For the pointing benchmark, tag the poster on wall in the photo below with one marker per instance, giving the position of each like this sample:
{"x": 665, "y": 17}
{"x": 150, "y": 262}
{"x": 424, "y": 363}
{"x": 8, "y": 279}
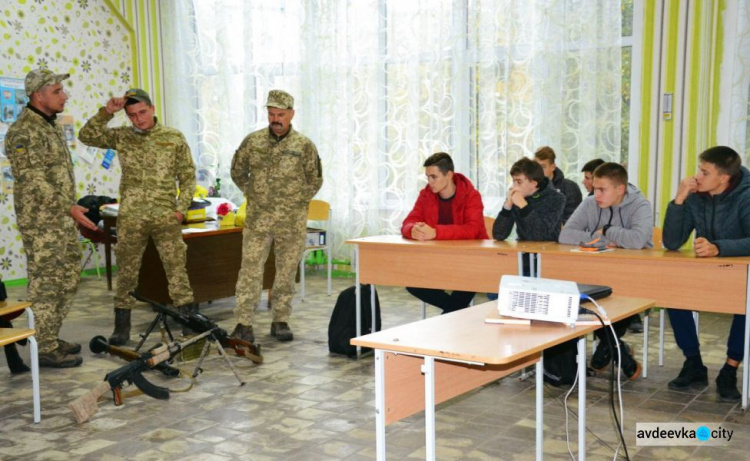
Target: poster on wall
{"x": 12, "y": 99}
{"x": 68, "y": 127}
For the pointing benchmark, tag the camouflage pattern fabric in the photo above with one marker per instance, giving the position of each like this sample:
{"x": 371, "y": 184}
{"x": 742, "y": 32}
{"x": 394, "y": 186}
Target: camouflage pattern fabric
{"x": 278, "y": 177}
{"x": 132, "y": 237}
{"x": 151, "y": 162}
{"x": 43, "y": 194}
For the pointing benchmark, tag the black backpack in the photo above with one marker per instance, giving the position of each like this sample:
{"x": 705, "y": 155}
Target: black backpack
{"x": 343, "y": 324}
{"x": 561, "y": 364}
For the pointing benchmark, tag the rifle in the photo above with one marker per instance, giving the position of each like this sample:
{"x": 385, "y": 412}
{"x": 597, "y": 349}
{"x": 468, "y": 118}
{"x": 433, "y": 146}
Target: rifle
{"x": 99, "y": 344}
{"x": 199, "y": 323}
{"x": 86, "y": 406}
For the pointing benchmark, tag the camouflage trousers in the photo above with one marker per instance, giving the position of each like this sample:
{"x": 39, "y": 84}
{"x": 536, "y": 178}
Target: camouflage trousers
{"x": 289, "y": 244}
{"x": 133, "y": 233}
{"x": 54, "y": 270}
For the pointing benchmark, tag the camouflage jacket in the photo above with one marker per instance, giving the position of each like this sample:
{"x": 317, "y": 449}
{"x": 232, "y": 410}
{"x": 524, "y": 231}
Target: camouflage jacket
{"x": 44, "y": 188}
{"x": 151, "y": 161}
{"x": 277, "y": 176}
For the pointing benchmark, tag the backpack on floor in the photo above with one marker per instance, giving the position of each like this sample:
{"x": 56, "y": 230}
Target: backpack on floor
{"x": 560, "y": 363}
{"x": 343, "y": 324}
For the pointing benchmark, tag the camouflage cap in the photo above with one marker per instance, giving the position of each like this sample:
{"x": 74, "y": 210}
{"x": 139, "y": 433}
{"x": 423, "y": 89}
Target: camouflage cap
{"x": 280, "y": 100}
{"x": 39, "y": 78}
{"x": 139, "y": 95}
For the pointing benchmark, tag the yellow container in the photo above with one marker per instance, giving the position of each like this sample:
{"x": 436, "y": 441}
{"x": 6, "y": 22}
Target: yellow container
{"x": 227, "y": 220}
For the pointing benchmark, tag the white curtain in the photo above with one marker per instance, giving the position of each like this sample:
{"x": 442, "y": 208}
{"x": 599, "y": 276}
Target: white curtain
{"x": 739, "y": 55}
{"x": 382, "y": 84}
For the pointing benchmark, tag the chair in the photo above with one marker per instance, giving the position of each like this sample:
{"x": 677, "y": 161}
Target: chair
{"x": 89, "y": 240}
{"x": 319, "y": 211}
{"x": 87, "y": 244}
{"x": 488, "y": 224}
{"x": 12, "y": 335}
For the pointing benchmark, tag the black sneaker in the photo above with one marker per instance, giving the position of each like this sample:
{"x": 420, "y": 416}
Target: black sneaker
{"x": 244, "y": 332}
{"x": 602, "y": 356}
{"x": 68, "y": 348}
{"x": 56, "y": 359}
{"x": 281, "y": 331}
{"x": 636, "y": 325}
{"x": 630, "y": 365}
{"x": 726, "y": 385}
{"x": 693, "y": 374}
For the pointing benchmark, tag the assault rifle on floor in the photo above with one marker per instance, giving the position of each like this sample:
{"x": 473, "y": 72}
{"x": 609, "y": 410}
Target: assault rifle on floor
{"x": 99, "y": 344}
{"x": 85, "y": 407}
{"x": 199, "y": 323}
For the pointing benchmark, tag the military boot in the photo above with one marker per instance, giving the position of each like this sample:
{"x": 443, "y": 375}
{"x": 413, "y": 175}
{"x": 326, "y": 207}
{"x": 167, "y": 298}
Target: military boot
{"x": 281, "y": 331}
{"x": 58, "y": 359}
{"x": 121, "y": 335}
{"x": 244, "y": 332}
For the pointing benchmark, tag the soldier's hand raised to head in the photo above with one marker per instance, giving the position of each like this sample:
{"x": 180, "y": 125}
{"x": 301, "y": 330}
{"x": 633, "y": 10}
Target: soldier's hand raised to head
{"x": 115, "y": 105}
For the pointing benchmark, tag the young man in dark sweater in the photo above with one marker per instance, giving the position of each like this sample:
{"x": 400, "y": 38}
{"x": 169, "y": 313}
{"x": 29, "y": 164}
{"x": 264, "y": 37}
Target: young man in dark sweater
{"x": 533, "y": 205}
{"x": 716, "y": 204}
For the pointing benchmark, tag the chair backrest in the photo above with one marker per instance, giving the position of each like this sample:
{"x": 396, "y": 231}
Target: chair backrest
{"x": 657, "y": 239}
{"x": 318, "y": 210}
{"x": 488, "y": 223}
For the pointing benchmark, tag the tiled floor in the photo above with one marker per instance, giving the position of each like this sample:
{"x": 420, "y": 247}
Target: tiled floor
{"x": 304, "y": 404}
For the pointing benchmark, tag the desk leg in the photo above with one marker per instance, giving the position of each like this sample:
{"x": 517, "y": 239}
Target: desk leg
{"x": 428, "y": 369}
{"x": 540, "y": 408}
{"x": 380, "y": 404}
{"x": 745, "y": 374}
{"x": 372, "y": 309}
{"x": 358, "y": 291}
{"x": 582, "y": 398}
{"x": 645, "y": 343}
{"x": 108, "y": 253}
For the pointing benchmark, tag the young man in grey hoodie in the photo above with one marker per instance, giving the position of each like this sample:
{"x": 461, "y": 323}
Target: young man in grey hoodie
{"x": 621, "y": 217}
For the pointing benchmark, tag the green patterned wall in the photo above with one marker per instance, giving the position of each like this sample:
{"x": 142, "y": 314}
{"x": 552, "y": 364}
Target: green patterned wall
{"x": 88, "y": 39}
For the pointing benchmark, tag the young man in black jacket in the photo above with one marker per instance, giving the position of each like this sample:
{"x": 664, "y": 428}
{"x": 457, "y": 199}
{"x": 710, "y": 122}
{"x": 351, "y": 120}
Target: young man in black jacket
{"x": 716, "y": 204}
{"x": 545, "y": 156}
{"x": 533, "y": 205}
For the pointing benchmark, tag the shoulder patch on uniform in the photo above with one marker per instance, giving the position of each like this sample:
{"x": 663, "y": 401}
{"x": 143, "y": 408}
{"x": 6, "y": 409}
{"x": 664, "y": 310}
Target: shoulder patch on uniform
{"x": 20, "y": 148}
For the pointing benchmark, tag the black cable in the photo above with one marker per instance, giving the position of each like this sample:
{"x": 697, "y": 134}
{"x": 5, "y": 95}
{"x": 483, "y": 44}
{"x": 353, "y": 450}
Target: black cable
{"x": 611, "y": 378}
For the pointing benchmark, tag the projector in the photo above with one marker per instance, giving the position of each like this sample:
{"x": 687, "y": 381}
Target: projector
{"x": 538, "y": 299}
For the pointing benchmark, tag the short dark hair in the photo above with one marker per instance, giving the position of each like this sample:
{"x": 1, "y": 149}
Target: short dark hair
{"x": 545, "y": 153}
{"x": 529, "y": 168}
{"x": 592, "y": 165}
{"x": 443, "y": 161}
{"x": 724, "y": 158}
{"x": 612, "y": 171}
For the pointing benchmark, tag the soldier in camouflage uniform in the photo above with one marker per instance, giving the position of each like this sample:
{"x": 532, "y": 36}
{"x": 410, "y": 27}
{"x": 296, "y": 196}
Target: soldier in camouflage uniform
{"x": 45, "y": 201}
{"x": 152, "y": 158}
{"x": 279, "y": 171}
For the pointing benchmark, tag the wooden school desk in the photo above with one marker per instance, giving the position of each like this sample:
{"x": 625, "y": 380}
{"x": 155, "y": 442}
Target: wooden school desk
{"x": 213, "y": 263}
{"x": 424, "y": 363}
{"x": 675, "y": 279}
{"x": 468, "y": 265}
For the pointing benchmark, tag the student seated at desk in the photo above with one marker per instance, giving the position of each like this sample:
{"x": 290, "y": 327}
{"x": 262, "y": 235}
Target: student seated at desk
{"x": 619, "y": 216}
{"x": 716, "y": 204}
{"x": 533, "y": 205}
{"x": 448, "y": 208}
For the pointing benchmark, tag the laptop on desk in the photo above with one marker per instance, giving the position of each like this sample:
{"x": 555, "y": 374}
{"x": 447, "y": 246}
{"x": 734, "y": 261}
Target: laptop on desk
{"x": 594, "y": 291}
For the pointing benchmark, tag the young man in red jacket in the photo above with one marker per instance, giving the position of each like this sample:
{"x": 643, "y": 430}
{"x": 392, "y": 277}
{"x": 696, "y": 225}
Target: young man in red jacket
{"x": 448, "y": 208}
